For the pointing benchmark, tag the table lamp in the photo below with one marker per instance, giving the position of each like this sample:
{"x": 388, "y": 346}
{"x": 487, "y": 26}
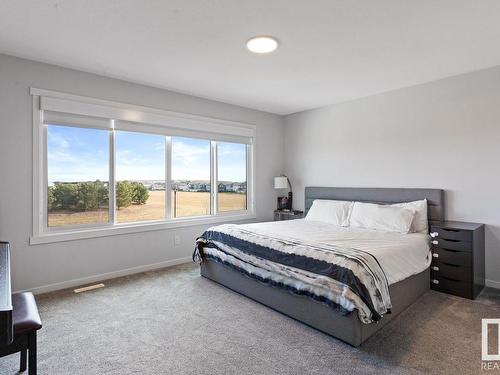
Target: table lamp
{"x": 282, "y": 182}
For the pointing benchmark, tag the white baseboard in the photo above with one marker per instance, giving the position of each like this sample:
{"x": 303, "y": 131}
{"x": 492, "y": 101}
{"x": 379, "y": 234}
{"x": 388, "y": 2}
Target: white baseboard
{"x": 493, "y": 284}
{"x": 105, "y": 276}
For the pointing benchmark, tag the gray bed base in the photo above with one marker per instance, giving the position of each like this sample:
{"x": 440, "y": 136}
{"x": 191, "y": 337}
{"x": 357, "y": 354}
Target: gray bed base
{"x": 347, "y": 328}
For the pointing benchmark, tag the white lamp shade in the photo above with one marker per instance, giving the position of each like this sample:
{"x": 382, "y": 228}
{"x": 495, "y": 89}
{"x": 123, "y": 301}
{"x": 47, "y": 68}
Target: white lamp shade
{"x": 281, "y": 182}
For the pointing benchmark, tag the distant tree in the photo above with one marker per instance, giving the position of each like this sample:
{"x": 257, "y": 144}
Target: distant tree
{"x": 65, "y": 195}
{"x": 140, "y": 194}
{"x": 84, "y": 196}
{"x": 91, "y": 195}
{"x": 87, "y": 197}
{"x": 103, "y": 192}
{"x": 51, "y": 200}
{"x": 79, "y": 196}
{"x": 124, "y": 194}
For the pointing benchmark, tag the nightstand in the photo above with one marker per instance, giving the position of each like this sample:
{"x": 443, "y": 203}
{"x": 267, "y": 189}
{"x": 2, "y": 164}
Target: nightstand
{"x": 287, "y": 215}
{"x": 457, "y": 258}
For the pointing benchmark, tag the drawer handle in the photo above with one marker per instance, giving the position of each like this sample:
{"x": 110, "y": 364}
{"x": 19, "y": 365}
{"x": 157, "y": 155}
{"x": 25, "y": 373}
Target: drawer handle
{"x": 445, "y": 239}
{"x": 435, "y": 242}
{"x": 451, "y": 230}
{"x": 434, "y": 234}
{"x": 435, "y": 255}
{"x": 435, "y": 281}
{"x": 451, "y": 265}
{"x": 435, "y": 268}
{"x": 450, "y": 250}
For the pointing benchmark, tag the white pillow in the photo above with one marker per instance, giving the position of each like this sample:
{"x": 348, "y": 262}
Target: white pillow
{"x": 386, "y": 218}
{"x": 329, "y": 211}
{"x": 420, "y": 222}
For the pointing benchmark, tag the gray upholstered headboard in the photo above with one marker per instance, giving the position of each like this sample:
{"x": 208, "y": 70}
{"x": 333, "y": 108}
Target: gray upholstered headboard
{"x": 435, "y": 197}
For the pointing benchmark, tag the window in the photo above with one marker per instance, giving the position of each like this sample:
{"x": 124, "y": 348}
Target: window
{"x": 77, "y": 176}
{"x": 190, "y": 177}
{"x": 231, "y": 177}
{"x": 140, "y": 177}
{"x": 102, "y": 168}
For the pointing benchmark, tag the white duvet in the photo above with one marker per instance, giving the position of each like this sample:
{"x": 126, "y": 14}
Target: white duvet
{"x": 399, "y": 255}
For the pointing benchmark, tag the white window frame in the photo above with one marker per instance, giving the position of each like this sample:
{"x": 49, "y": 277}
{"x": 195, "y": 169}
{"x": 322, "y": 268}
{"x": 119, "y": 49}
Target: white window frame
{"x": 138, "y": 119}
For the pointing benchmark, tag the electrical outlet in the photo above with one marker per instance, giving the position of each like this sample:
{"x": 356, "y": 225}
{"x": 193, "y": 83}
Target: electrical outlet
{"x": 177, "y": 240}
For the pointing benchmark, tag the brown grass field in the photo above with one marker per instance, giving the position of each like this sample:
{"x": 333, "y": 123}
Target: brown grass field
{"x": 188, "y": 204}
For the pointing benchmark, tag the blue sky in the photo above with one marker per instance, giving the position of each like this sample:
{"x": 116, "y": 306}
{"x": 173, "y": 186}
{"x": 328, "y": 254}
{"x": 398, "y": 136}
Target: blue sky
{"x": 231, "y": 162}
{"x": 76, "y": 154}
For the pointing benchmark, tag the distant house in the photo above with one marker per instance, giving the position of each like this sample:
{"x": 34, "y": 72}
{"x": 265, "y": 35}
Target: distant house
{"x": 236, "y": 187}
{"x": 157, "y": 186}
{"x": 205, "y": 187}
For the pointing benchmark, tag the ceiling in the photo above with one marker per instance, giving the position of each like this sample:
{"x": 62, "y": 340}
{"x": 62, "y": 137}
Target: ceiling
{"x": 330, "y": 51}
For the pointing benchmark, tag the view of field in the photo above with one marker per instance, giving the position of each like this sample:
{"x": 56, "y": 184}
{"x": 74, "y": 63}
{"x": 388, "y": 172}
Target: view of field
{"x": 78, "y": 170}
{"x": 231, "y": 201}
{"x": 187, "y": 204}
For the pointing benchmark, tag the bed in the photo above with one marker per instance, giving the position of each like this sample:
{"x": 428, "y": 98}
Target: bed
{"x": 407, "y": 278}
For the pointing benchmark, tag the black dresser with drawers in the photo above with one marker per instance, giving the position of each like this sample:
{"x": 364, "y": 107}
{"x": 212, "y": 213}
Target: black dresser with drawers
{"x": 458, "y": 258}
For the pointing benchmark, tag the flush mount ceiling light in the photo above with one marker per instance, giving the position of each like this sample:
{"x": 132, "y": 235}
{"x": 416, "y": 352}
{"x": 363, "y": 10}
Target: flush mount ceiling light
{"x": 262, "y": 44}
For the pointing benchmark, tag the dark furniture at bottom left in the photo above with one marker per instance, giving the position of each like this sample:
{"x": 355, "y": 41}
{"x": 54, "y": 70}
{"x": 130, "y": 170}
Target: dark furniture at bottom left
{"x": 19, "y": 318}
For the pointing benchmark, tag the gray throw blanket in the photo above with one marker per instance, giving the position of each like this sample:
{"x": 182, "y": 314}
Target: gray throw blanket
{"x": 344, "y": 278}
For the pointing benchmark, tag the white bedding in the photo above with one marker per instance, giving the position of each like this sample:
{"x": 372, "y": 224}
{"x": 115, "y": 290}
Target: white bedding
{"x": 399, "y": 255}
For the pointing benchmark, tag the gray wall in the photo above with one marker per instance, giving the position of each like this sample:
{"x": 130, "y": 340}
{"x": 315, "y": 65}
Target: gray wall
{"x": 444, "y": 134}
{"x": 42, "y": 265}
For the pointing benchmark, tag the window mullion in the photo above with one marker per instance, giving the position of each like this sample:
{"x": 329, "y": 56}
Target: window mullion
{"x": 112, "y": 176}
{"x": 168, "y": 177}
{"x": 250, "y": 178}
{"x": 213, "y": 177}
{"x": 44, "y": 181}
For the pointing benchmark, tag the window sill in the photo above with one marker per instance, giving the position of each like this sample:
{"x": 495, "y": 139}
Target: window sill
{"x": 79, "y": 234}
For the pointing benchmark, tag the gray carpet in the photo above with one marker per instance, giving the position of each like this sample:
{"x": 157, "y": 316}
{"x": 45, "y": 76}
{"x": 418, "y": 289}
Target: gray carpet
{"x": 173, "y": 321}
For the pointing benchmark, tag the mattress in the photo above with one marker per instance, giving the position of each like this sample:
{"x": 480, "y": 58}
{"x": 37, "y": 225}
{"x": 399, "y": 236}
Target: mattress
{"x": 400, "y": 255}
